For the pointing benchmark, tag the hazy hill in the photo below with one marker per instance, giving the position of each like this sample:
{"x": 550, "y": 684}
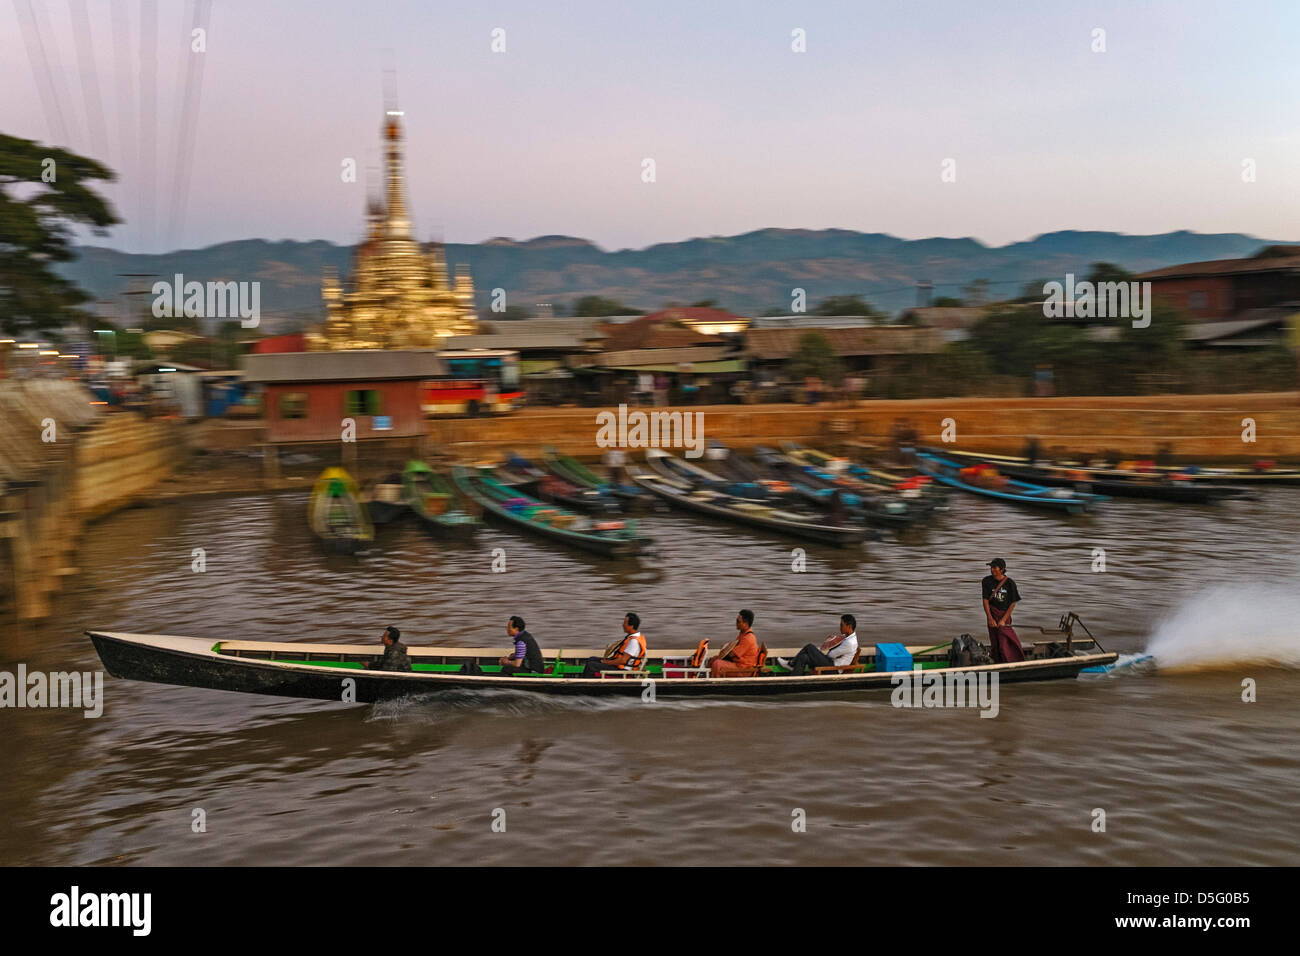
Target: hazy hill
{"x": 747, "y": 273}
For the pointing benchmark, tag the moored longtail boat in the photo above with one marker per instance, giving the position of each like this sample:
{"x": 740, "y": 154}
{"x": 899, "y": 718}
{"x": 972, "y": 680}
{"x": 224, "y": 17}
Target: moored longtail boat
{"x": 337, "y": 671}
{"x": 708, "y": 501}
{"x": 435, "y": 503}
{"x": 1143, "y": 480}
{"x": 336, "y": 515}
{"x": 509, "y": 506}
{"x": 985, "y": 480}
{"x": 385, "y": 500}
{"x": 570, "y": 469}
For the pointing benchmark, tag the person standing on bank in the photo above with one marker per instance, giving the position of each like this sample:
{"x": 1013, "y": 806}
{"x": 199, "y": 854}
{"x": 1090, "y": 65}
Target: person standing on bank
{"x": 527, "y": 656}
{"x": 1000, "y": 598}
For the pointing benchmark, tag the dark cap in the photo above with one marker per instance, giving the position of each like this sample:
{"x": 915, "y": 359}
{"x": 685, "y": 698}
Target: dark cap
{"x": 998, "y": 563}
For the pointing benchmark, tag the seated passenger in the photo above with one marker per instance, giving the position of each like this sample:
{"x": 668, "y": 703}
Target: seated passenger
{"x": 740, "y": 654}
{"x": 836, "y": 651}
{"x": 527, "y": 656}
{"x": 627, "y": 653}
{"x": 394, "y": 658}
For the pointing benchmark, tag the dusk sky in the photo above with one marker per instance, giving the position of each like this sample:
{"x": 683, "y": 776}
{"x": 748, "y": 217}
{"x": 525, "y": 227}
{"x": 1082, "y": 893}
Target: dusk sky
{"x": 549, "y": 136}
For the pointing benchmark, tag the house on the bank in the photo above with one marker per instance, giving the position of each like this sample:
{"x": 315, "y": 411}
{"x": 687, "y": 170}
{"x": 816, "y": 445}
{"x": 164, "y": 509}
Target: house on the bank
{"x": 668, "y": 354}
{"x": 862, "y": 350}
{"x": 308, "y": 395}
{"x": 1235, "y": 303}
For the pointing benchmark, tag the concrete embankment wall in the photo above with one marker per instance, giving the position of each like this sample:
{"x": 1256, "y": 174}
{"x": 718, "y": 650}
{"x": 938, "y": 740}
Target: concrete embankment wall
{"x": 63, "y": 463}
{"x": 1201, "y": 427}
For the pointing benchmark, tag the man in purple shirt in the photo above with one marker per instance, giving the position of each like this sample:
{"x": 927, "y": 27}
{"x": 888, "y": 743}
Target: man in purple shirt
{"x": 526, "y": 656}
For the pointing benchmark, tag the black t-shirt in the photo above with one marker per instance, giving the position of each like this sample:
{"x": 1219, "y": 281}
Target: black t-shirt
{"x": 1000, "y": 596}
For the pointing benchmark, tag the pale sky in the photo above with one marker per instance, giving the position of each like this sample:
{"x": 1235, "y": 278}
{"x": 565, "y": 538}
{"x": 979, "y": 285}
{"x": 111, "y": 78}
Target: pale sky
{"x": 549, "y": 136}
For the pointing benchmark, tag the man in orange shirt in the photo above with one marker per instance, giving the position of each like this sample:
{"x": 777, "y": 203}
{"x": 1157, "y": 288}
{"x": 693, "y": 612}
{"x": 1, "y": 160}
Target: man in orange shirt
{"x": 743, "y": 650}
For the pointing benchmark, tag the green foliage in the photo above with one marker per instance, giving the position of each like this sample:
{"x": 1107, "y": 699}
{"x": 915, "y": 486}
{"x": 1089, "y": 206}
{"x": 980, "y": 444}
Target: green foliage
{"x": 846, "y": 305}
{"x": 815, "y": 356}
{"x": 705, "y": 304}
{"x": 595, "y": 305}
{"x": 948, "y": 302}
{"x": 36, "y": 231}
{"x": 1107, "y": 272}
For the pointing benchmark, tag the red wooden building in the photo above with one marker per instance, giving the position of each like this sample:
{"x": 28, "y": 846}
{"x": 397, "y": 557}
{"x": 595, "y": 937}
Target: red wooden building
{"x": 312, "y": 396}
{"x": 1226, "y": 288}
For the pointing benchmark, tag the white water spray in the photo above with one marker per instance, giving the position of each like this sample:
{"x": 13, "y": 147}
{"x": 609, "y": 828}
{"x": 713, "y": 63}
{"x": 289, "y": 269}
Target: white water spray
{"x": 1228, "y": 626}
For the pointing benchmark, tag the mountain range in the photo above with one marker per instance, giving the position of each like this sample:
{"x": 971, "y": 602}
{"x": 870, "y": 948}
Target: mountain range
{"x": 747, "y": 274}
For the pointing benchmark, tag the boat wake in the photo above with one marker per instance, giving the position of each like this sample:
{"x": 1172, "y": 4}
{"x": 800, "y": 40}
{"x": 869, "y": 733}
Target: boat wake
{"x": 1229, "y": 626}
{"x": 517, "y": 703}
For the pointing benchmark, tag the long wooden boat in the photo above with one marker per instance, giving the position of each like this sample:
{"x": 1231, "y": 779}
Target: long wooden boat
{"x": 715, "y": 504}
{"x": 336, "y": 515}
{"x": 385, "y": 500}
{"x": 920, "y": 491}
{"x": 509, "y": 506}
{"x": 523, "y": 474}
{"x": 1262, "y": 474}
{"x": 572, "y": 470}
{"x": 1007, "y": 489}
{"x": 337, "y": 671}
{"x": 886, "y": 508}
{"x": 1160, "y": 485}
{"x": 436, "y": 504}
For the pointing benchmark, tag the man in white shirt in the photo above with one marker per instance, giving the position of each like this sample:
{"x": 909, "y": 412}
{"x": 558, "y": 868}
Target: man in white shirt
{"x": 627, "y": 653}
{"x": 836, "y": 651}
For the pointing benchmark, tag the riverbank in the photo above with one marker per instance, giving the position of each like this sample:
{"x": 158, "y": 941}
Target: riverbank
{"x": 1196, "y": 427}
{"x": 104, "y": 462}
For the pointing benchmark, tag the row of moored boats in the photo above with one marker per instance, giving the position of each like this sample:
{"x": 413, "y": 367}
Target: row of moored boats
{"x": 792, "y": 491}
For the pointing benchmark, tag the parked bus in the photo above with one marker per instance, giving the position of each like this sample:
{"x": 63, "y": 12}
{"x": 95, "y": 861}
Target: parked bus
{"x": 478, "y": 381}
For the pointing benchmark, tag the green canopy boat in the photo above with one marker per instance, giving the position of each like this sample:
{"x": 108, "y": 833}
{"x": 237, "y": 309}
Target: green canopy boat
{"x": 336, "y": 514}
{"x": 435, "y": 503}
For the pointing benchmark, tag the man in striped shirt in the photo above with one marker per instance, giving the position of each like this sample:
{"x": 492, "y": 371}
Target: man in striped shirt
{"x": 527, "y": 655}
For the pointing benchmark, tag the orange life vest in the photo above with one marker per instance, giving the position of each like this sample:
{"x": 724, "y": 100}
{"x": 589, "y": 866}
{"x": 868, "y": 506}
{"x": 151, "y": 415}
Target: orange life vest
{"x": 618, "y": 648}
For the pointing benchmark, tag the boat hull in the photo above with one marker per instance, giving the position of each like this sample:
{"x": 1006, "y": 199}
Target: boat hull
{"x": 842, "y": 537}
{"x": 596, "y": 544}
{"x": 192, "y": 662}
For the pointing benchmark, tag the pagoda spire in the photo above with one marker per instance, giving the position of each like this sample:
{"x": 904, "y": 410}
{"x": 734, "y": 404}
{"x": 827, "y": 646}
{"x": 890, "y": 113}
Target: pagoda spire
{"x": 398, "y": 224}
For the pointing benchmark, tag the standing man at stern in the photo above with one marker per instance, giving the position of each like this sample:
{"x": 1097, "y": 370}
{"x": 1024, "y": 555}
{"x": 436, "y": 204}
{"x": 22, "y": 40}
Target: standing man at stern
{"x": 1000, "y": 598}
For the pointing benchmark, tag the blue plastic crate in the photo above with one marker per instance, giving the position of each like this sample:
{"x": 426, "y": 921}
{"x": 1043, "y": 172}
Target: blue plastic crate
{"x": 893, "y": 657}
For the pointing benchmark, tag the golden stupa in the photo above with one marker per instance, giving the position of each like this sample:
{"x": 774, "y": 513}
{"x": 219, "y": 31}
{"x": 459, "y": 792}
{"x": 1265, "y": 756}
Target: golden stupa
{"x": 400, "y": 296}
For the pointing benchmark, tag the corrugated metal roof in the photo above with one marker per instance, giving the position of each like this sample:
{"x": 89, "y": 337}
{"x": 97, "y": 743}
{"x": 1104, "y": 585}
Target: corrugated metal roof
{"x": 770, "y": 344}
{"x": 343, "y": 366}
{"x": 1219, "y": 267}
{"x": 629, "y": 358}
{"x": 521, "y": 341}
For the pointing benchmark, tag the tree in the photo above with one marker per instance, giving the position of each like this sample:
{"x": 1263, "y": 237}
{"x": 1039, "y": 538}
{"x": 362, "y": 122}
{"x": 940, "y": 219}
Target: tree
{"x": 977, "y": 292}
{"x": 815, "y": 356}
{"x": 44, "y": 193}
{"x": 948, "y": 302}
{"x": 594, "y": 305}
{"x": 1108, "y": 272}
{"x": 705, "y": 304}
{"x": 845, "y": 305}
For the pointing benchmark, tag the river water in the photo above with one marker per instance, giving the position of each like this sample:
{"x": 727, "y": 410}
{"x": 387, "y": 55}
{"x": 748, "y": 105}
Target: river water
{"x": 1185, "y": 771}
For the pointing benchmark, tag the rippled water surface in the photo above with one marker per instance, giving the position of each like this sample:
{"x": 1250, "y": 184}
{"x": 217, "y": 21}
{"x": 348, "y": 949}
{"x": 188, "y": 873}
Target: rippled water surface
{"x": 1186, "y": 772}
